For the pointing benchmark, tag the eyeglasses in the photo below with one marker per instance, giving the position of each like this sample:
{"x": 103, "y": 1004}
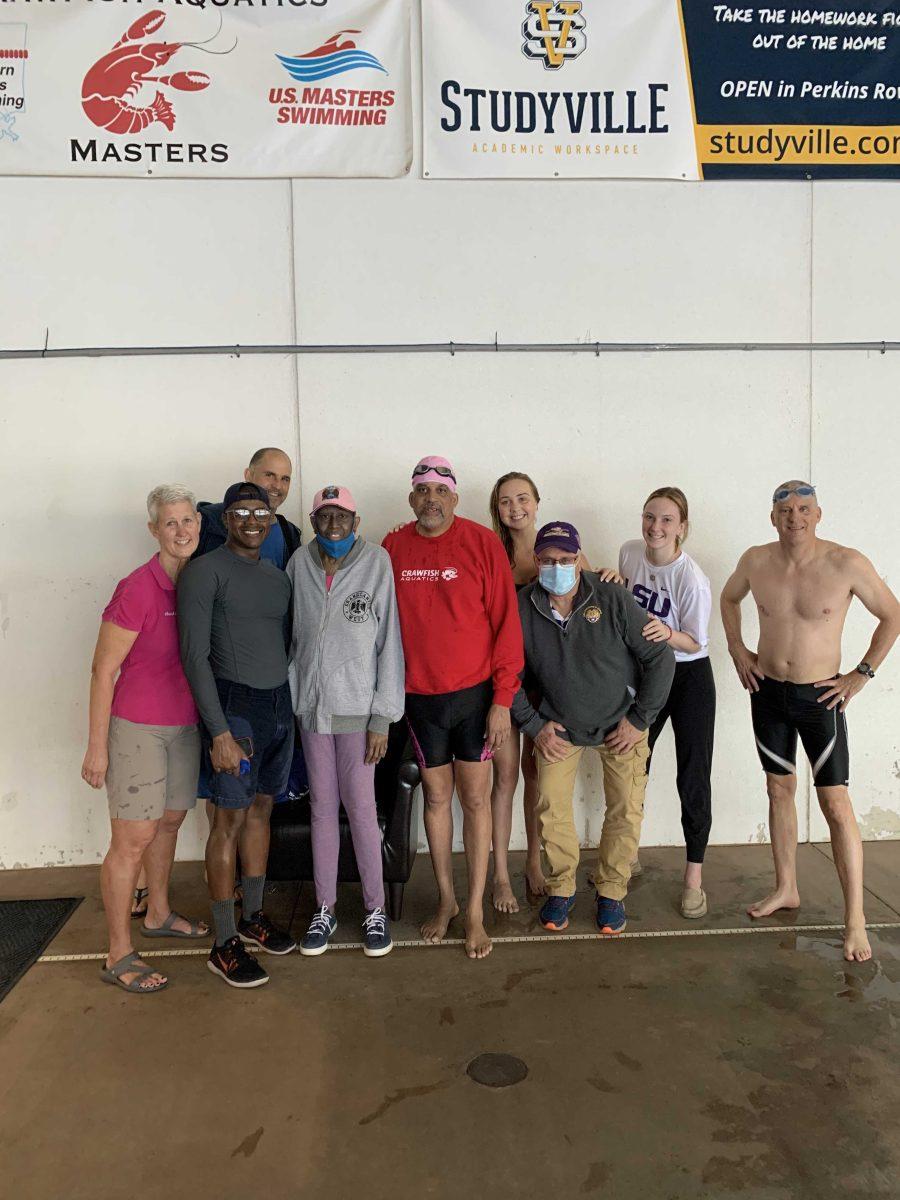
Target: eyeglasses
{"x": 425, "y": 468}
{"x": 783, "y": 493}
{"x": 558, "y": 562}
{"x": 243, "y": 513}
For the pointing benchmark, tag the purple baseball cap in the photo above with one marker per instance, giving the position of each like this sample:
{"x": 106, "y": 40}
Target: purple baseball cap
{"x": 560, "y": 534}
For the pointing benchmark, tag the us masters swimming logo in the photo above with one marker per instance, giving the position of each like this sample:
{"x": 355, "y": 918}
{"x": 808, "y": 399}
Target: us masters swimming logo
{"x": 366, "y": 102}
{"x": 554, "y": 32}
{"x": 333, "y": 57}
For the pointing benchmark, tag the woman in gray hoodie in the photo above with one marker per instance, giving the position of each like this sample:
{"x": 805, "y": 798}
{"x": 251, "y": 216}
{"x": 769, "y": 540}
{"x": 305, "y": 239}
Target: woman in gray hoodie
{"x": 347, "y": 683}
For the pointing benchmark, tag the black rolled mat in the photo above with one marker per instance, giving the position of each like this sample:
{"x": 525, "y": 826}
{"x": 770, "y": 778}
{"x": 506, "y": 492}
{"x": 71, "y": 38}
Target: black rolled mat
{"x": 26, "y": 927}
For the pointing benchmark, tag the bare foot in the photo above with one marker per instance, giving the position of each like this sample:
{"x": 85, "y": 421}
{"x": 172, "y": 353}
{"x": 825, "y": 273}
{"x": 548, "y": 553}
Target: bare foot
{"x": 503, "y": 897}
{"x": 478, "y": 944}
{"x": 435, "y": 929}
{"x": 856, "y": 943}
{"x": 535, "y": 883}
{"x": 786, "y": 898}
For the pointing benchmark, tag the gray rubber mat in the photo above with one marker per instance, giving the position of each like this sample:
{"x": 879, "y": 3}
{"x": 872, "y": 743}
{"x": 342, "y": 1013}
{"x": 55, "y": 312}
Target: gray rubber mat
{"x": 26, "y": 928}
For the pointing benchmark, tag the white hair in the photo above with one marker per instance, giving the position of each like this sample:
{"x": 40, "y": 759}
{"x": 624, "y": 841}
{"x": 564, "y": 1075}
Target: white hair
{"x": 168, "y": 493}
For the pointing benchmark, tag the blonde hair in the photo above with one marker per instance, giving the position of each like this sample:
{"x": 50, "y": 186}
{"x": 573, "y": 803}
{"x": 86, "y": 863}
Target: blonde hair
{"x": 501, "y": 530}
{"x": 678, "y": 498}
{"x": 168, "y": 493}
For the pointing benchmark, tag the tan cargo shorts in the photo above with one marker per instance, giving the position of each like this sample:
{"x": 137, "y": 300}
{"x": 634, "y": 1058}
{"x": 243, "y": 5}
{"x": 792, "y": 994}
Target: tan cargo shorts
{"x": 151, "y": 768}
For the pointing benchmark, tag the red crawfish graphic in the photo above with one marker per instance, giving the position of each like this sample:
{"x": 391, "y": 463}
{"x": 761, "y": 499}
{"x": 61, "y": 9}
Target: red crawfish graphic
{"x": 118, "y": 76}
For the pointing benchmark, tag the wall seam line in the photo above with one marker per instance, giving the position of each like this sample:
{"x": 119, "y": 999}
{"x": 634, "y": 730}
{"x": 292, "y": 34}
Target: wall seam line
{"x": 295, "y": 361}
{"x": 811, "y": 418}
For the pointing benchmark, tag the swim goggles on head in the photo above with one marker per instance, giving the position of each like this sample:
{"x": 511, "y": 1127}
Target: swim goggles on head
{"x": 427, "y": 468}
{"x": 782, "y": 494}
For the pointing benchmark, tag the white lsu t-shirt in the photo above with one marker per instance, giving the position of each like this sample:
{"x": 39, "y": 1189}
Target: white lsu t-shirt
{"x": 678, "y": 594}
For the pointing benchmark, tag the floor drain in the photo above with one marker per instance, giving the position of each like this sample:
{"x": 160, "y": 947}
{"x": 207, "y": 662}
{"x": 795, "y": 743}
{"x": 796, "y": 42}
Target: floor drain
{"x": 497, "y": 1070}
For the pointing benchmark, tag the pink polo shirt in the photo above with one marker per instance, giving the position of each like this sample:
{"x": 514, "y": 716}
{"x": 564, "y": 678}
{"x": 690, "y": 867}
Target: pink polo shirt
{"x": 151, "y": 688}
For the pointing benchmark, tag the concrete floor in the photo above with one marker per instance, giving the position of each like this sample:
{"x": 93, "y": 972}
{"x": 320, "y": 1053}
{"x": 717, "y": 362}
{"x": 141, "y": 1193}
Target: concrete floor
{"x": 758, "y": 1066}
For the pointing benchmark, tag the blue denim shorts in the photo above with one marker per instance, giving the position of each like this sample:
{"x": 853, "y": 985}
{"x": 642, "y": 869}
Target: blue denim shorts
{"x": 266, "y": 716}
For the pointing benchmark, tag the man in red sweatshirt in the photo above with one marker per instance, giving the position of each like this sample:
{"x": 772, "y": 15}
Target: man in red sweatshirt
{"x": 462, "y": 641}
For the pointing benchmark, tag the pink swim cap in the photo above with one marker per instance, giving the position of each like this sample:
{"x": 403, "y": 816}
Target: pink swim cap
{"x": 434, "y": 469}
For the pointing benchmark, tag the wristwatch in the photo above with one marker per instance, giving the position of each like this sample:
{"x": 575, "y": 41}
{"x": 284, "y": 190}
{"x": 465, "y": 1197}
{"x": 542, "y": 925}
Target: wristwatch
{"x": 865, "y": 669}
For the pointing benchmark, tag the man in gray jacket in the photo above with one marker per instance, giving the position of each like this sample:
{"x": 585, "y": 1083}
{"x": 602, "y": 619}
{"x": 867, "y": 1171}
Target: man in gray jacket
{"x": 583, "y": 648}
{"x": 346, "y": 674}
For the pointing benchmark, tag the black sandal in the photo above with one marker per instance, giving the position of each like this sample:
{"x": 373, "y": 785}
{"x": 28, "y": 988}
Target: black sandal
{"x": 140, "y": 897}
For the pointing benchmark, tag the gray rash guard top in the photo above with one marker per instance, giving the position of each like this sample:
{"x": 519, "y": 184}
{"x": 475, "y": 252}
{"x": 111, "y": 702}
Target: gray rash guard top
{"x": 232, "y": 624}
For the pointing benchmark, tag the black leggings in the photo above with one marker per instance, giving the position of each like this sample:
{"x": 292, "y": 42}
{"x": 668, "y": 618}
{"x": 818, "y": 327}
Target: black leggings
{"x": 692, "y": 707}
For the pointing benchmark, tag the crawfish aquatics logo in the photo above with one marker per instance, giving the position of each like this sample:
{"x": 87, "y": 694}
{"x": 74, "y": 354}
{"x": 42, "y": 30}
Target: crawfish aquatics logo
{"x": 116, "y": 79}
{"x": 554, "y": 31}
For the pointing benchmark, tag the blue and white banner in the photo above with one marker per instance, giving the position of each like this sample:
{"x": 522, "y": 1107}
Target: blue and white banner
{"x": 214, "y": 88}
{"x": 673, "y": 89}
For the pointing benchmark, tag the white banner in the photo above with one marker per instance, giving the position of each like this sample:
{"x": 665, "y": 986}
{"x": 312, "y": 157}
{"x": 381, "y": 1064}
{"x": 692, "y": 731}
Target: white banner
{"x": 556, "y": 89}
{"x": 210, "y": 88}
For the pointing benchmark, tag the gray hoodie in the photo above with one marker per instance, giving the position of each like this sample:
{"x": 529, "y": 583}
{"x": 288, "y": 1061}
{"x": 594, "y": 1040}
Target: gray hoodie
{"x": 346, "y": 667}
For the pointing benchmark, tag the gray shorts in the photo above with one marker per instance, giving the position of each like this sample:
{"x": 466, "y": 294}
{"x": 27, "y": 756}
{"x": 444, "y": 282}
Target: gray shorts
{"x": 151, "y": 768}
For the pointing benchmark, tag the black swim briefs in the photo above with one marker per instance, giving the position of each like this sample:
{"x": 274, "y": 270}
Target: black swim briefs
{"x": 782, "y": 710}
{"x": 450, "y": 725}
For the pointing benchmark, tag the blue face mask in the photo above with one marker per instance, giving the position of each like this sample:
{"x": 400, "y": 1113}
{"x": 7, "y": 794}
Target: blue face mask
{"x": 336, "y": 549}
{"x": 556, "y": 579}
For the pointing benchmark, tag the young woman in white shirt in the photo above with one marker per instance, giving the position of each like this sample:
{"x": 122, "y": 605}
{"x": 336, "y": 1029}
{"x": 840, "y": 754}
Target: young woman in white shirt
{"x": 676, "y": 593}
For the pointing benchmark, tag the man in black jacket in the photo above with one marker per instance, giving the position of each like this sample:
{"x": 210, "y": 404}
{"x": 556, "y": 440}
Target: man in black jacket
{"x": 271, "y": 469}
{"x": 584, "y": 646}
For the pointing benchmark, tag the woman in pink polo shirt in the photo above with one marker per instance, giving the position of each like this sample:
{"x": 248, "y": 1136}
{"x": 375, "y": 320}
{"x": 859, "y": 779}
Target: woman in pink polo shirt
{"x": 143, "y": 741}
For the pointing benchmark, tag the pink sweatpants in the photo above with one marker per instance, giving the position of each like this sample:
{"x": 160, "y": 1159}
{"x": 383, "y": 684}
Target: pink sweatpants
{"x": 338, "y": 774}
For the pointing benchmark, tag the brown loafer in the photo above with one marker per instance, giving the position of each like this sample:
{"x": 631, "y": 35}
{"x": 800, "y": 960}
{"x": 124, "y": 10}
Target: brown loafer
{"x": 693, "y": 903}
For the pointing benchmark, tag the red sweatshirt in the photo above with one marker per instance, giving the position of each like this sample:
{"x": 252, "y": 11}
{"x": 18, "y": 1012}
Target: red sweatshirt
{"x": 458, "y": 613}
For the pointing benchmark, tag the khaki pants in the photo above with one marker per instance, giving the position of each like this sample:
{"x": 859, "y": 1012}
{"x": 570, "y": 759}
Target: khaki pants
{"x": 624, "y": 785}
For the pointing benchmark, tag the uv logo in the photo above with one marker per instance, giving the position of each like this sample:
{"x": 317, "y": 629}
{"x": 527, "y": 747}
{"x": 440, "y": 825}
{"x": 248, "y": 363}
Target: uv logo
{"x": 651, "y": 601}
{"x": 553, "y": 31}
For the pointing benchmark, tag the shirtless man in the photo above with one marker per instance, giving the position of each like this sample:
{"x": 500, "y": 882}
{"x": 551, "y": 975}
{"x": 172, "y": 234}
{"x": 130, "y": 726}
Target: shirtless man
{"x": 803, "y": 587}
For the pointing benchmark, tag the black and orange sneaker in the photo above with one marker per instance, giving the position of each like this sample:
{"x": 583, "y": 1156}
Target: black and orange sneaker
{"x": 238, "y": 968}
{"x": 259, "y": 931}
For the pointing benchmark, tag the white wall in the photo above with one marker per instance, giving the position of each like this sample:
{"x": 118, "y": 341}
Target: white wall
{"x": 125, "y": 262}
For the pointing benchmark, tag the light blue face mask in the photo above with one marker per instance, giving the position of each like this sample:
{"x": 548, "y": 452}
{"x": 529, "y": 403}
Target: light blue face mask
{"x": 557, "y": 579}
{"x": 336, "y": 549}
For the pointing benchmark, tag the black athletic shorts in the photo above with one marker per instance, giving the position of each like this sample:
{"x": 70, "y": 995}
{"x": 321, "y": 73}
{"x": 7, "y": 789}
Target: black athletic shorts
{"x": 783, "y": 710}
{"x": 450, "y": 725}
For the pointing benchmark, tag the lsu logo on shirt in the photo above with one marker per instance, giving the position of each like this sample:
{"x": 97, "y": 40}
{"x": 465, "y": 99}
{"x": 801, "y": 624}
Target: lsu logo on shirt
{"x": 652, "y": 601}
{"x": 553, "y": 31}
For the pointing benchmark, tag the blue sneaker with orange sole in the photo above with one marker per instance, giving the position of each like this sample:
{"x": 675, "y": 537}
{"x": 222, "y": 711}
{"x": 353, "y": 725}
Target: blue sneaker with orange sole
{"x": 610, "y": 915}
{"x": 555, "y": 912}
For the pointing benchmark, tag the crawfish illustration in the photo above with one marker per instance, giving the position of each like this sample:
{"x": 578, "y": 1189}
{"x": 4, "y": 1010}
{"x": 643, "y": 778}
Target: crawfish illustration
{"x": 117, "y": 77}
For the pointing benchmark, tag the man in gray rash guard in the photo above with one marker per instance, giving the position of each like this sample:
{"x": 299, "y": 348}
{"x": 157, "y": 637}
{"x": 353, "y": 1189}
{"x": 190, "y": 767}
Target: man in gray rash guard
{"x": 232, "y": 622}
